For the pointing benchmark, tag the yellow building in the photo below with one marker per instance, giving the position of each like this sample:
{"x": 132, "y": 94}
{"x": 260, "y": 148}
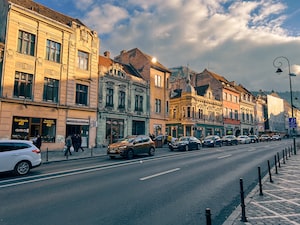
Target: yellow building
{"x": 49, "y": 75}
{"x": 195, "y": 112}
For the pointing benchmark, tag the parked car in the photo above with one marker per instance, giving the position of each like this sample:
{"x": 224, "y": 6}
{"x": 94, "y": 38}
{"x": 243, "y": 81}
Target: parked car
{"x": 185, "y": 143}
{"x": 131, "y": 146}
{"x": 229, "y": 140}
{"x": 264, "y": 137}
{"x": 254, "y": 138}
{"x": 244, "y": 139}
{"x": 212, "y": 141}
{"x": 276, "y": 137}
{"x": 19, "y": 156}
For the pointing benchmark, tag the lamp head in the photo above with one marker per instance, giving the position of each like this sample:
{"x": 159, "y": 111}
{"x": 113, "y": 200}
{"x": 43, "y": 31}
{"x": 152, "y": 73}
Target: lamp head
{"x": 278, "y": 71}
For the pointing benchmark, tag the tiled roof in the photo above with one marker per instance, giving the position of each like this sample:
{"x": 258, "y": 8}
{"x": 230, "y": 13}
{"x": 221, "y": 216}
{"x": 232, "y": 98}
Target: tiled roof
{"x": 47, "y": 12}
{"x": 217, "y": 76}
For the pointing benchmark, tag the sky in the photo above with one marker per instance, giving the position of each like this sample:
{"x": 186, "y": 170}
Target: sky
{"x": 236, "y": 39}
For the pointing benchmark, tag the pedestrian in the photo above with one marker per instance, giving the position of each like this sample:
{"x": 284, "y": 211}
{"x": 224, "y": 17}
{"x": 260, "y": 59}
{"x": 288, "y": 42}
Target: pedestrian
{"x": 69, "y": 145}
{"x": 79, "y": 143}
{"x": 38, "y": 141}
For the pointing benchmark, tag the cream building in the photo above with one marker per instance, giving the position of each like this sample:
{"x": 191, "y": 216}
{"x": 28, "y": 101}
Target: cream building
{"x": 49, "y": 76}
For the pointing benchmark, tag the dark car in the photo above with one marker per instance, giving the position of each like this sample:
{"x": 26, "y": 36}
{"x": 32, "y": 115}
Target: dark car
{"x": 254, "y": 138}
{"x": 185, "y": 143}
{"x": 131, "y": 146}
{"x": 212, "y": 141}
{"x": 229, "y": 140}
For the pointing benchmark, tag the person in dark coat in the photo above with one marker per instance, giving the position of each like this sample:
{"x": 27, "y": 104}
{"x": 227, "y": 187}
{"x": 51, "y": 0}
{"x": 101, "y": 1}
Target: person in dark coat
{"x": 38, "y": 141}
{"x": 68, "y": 144}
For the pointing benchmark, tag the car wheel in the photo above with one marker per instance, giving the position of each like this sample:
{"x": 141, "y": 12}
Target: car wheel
{"x": 112, "y": 157}
{"x": 171, "y": 149}
{"x": 130, "y": 154}
{"x": 22, "y": 168}
{"x": 198, "y": 147}
{"x": 186, "y": 147}
{"x": 151, "y": 152}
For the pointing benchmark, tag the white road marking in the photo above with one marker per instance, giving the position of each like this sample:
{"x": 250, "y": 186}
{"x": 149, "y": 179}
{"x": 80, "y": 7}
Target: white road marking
{"x": 159, "y": 174}
{"x": 224, "y": 156}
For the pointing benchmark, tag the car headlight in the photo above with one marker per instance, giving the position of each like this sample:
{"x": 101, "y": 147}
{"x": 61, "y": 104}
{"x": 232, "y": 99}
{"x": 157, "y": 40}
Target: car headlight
{"x": 122, "y": 147}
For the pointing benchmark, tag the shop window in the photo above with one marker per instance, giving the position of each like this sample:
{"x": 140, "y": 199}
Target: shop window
{"x": 23, "y": 85}
{"x": 26, "y": 43}
{"x": 81, "y": 94}
{"x": 50, "y": 90}
{"x": 26, "y": 128}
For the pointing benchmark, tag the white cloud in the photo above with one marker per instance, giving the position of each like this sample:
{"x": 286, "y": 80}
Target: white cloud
{"x": 239, "y": 42}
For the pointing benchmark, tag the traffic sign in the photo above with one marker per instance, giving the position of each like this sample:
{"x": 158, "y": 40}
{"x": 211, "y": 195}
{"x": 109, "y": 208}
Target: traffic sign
{"x": 292, "y": 122}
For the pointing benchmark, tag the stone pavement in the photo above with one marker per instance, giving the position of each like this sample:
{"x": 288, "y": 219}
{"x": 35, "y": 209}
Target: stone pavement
{"x": 280, "y": 202}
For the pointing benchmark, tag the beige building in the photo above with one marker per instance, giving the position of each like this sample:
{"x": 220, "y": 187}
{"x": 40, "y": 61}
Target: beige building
{"x": 157, "y": 76}
{"x": 49, "y": 76}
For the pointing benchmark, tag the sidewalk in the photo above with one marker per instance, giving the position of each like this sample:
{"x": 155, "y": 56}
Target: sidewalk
{"x": 280, "y": 202}
{"x": 58, "y": 155}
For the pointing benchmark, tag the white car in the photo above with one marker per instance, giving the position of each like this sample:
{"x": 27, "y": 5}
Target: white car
{"x": 244, "y": 139}
{"x": 19, "y": 156}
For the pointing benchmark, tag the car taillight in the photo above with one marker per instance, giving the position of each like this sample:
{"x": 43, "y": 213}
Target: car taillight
{"x": 37, "y": 151}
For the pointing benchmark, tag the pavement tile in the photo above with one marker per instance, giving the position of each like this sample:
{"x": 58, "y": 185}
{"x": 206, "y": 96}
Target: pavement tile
{"x": 280, "y": 202}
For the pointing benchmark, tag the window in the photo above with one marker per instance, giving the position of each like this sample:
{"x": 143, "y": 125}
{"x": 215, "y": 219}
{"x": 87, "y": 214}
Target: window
{"x": 157, "y": 81}
{"x": 138, "y": 103}
{"x": 53, "y": 51}
{"x": 121, "y": 99}
{"x": 167, "y": 107}
{"x": 26, "y": 43}
{"x": 81, "y": 94}
{"x": 23, "y": 85}
{"x": 188, "y": 112}
{"x": 236, "y": 114}
{"x": 83, "y": 59}
{"x": 110, "y": 97}
{"x": 174, "y": 113}
{"x": 200, "y": 113}
{"x": 157, "y": 105}
{"x": 50, "y": 90}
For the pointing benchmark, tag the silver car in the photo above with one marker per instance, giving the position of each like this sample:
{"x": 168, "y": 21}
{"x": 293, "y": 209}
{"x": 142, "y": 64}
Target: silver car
{"x": 19, "y": 156}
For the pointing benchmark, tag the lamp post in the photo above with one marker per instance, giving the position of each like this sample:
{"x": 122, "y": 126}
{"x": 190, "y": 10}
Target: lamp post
{"x": 277, "y": 63}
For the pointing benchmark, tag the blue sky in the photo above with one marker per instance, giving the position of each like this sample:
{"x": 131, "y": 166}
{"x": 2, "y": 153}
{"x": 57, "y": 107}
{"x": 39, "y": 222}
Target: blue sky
{"x": 235, "y": 38}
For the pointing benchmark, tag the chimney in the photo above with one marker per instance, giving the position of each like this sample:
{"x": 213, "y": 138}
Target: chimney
{"x": 107, "y": 54}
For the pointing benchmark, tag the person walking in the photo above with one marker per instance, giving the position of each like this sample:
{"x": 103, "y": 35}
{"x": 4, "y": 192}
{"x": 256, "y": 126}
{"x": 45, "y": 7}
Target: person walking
{"x": 38, "y": 141}
{"x": 68, "y": 144}
{"x": 80, "y": 142}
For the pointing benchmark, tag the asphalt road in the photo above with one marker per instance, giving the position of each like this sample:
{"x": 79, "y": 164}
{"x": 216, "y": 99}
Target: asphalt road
{"x": 171, "y": 189}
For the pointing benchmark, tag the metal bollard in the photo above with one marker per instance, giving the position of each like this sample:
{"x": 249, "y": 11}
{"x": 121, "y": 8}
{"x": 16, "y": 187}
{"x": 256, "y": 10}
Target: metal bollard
{"x": 286, "y": 155}
{"x": 275, "y": 162}
{"x": 283, "y": 157}
{"x": 289, "y": 152}
{"x": 278, "y": 159}
{"x": 208, "y": 216}
{"x": 243, "y": 219}
{"x": 47, "y": 152}
{"x": 260, "y": 185}
{"x": 270, "y": 174}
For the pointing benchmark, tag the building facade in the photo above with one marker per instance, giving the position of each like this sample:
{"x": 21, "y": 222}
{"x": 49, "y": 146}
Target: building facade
{"x": 49, "y": 75}
{"x": 247, "y": 111}
{"x": 224, "y": 91}
{"x": 158, "y": 77}
{"x": 123, "y": 97}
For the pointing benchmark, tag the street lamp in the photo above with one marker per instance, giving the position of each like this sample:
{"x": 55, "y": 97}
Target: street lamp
{"x": 277, "y": 63}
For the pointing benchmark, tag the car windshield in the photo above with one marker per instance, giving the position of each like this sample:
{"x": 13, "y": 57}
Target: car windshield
{"x": 128, "y": 139}
{"x": 209, "y": 137}
{"x": 184, "y": 139}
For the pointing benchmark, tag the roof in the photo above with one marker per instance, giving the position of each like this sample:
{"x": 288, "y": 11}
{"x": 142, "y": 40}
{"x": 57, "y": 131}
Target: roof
{"x": 217, "y": 76}
{"x": 45, "y": 11}
{"x": 129, "y": 69}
